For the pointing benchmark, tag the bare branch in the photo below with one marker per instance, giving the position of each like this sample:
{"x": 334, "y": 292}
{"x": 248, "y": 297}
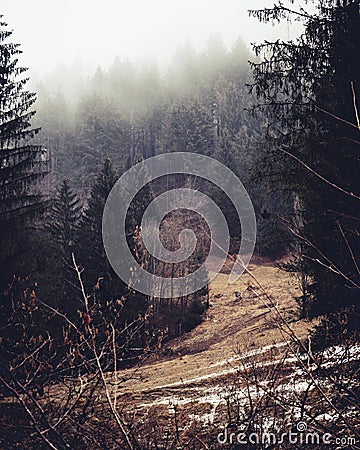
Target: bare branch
{"x": 355, "y": 105}
{"x": 335, "y": 186}
{"x": 349, "y": 247}
{"x": 98, "y": 362}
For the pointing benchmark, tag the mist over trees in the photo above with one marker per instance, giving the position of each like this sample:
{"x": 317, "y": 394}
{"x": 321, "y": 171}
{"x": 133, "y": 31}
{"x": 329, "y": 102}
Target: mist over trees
{"x": 287, "y": 125}
{"x": 126, "y": 110}
{"x": 200, "y": 103}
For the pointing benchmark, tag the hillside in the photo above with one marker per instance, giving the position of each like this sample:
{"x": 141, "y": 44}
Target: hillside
{"x": 232, "y": 328}
{"x": 244, "y": 367}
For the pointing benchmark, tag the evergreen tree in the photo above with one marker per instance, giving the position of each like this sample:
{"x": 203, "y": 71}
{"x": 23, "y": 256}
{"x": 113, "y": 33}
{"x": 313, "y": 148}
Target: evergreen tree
{"x": 101, "y": 130}
{"x": 306, "y": 91}
{"x": 110, "y": 294}
{"x": 64, "y": 218}
{"x": 54, "y": 114}
{"x": 138, "y": 206}
{"x": 62, "y": 226}
{"x": 215, "y": 57}
{"x": 122, "y": 84}
{"x": 188, "y": 127}
{"x": 92, "y": 253}
{"x": 22, "y": 164}
{"x": 184, "y": 72}
{"x": 240, "y": 56}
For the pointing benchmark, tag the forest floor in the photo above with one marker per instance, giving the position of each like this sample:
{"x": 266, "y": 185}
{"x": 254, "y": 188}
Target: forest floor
{"x": 236, "y": 328}
{"x": 243, "y": 358}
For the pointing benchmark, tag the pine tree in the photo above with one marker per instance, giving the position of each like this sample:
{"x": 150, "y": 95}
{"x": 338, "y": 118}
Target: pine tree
{"x": 22, "y": 164}
{"x": 110, "y": 294}
{"x": 62, "y": 226}
{"x": 22, "y": 167}
{"x": 138, "y": 206}
{"x": 54, "y": 115}
{"x": 92, "y": 254}
{"x": 306, "y": 90}
{"x": 100, "y": 131}
{"x": 64, "y": 218}
{"x": 188, "y": 127}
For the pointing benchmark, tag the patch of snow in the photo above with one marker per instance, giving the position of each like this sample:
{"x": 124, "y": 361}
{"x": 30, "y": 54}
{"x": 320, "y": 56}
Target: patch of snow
{"x": 289, "y": 388}
{"x": 248, "y": 354}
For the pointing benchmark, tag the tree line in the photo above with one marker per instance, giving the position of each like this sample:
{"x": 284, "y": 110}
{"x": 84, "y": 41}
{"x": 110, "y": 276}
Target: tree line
{"x": 293, "y": 142}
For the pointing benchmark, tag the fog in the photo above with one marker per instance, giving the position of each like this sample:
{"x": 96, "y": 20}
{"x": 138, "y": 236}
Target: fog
{"x": 87, "y": 33}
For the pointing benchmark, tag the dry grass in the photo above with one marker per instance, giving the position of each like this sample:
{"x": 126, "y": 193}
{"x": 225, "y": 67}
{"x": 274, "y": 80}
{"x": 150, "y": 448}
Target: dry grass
{"x": 206, "y": 353}
{"x": 235, "y": 368}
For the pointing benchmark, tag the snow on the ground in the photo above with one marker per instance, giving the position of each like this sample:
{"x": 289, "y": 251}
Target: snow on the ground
{"x": 291, "y": 385}
{"x": 232, "y": 369}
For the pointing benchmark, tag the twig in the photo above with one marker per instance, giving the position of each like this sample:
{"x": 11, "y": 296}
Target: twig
{"x": 334, "y": 116}
{"x": 78, "y": 272}
{"x": 349, "y": 247}
{"x": 115, "y": 364}
{"x": 98, "y": 362}
{"x": 31, "y": 355}
{"x": 355, "y": 105}
{"x": 335, "y": 186}
{"x": 40, "y": 432}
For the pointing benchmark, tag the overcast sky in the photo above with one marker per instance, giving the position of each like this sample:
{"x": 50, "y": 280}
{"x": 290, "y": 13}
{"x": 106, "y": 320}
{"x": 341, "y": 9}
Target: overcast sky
{"x": 53, "y": 31}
